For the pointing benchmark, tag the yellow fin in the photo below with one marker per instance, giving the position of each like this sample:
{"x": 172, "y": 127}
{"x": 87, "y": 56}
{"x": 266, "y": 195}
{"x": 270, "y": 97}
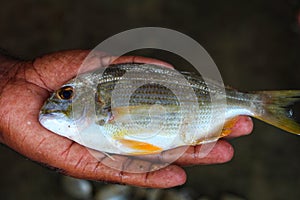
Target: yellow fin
{"x": 141, "y": 147}
{"x": 277, "y": 109}
{"x": 227, "y": 129}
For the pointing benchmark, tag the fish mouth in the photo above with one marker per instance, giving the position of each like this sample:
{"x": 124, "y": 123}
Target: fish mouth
{"x": 51, "y": 112}
{"x": 46, "y": 115}
{"x": 43, "y": 117}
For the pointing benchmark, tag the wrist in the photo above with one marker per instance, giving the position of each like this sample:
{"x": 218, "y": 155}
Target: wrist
{"x": 8, "y": 70}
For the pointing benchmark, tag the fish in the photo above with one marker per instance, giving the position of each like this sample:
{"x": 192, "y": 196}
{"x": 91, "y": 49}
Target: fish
{"x": 140, "y": 109}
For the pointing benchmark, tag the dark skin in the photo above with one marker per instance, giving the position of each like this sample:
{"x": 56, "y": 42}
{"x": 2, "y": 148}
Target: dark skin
{"x": 25, "y": 85}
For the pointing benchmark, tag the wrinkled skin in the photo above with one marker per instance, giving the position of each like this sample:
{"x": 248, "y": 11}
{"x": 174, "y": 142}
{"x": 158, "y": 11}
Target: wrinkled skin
{"x": 24, "y": 86}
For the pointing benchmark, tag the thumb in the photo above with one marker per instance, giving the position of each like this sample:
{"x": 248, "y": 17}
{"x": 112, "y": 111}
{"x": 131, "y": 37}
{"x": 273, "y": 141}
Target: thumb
{"x": 56, "y": 68}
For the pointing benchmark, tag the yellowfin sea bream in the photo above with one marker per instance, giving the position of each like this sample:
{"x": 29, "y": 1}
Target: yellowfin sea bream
{"x": 136, "y": 108}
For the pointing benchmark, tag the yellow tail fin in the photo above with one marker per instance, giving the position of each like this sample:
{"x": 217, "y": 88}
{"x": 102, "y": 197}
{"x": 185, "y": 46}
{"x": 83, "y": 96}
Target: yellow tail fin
{"x": 277, "y": 109}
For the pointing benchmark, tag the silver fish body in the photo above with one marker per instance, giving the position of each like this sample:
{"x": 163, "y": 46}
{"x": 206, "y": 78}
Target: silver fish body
{"x": 145, "y": 109}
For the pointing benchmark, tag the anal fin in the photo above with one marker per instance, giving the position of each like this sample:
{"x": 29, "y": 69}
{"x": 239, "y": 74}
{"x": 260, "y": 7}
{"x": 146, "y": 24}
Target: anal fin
{"x": 228, "y": 126}
{"x": 140, "y": 147}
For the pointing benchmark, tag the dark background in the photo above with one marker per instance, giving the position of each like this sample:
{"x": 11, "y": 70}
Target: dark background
{"x": 255, "y": 45}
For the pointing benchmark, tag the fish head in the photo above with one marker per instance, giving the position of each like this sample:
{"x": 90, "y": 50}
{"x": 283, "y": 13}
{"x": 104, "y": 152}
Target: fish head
{"x": 66, "y": 111}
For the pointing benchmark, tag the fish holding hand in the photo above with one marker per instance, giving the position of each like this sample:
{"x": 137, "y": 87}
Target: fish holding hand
{"x": 101, "y": 111}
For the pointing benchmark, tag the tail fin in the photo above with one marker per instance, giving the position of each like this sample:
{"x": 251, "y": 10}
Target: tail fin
{"x": 277, "y": 109}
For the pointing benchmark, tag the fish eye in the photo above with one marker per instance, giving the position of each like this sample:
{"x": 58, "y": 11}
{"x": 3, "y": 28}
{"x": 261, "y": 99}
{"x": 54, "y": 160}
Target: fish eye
{"x": 65, "y": 93}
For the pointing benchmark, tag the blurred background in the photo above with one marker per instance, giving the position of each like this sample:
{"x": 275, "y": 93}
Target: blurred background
{"x": 255, "y": 44}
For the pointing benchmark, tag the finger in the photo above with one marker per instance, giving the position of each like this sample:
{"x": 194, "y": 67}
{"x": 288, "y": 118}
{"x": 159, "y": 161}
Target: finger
{"x": 213, "y": 153}
{"x": 126, "y": 171}
{"x": 243, "y": 126}
{"x": 221, "y": 152}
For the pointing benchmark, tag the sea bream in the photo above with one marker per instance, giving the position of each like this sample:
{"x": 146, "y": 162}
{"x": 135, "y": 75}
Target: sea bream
{"x": 134, "y": 109}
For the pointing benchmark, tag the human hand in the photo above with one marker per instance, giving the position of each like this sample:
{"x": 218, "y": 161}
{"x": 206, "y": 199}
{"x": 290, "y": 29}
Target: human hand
{"x": 24, "y": 86}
